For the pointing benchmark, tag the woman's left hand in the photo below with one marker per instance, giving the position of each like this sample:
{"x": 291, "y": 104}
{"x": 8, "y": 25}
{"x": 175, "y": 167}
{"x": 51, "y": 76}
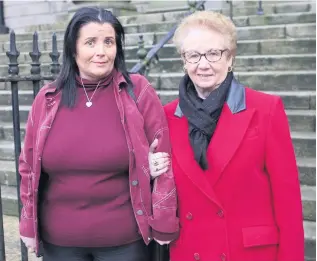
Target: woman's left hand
{"x": 159, "y": 162}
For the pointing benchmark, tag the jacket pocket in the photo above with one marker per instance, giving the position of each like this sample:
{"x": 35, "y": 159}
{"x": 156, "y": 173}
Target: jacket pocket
{"x": 260, "y": 236}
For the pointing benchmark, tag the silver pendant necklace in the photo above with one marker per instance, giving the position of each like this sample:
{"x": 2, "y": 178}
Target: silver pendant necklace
{"x": 89, "y": 102}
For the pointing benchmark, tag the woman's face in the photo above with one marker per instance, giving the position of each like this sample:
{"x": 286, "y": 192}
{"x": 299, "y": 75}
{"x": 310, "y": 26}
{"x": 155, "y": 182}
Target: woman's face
{"x": 207, "y": 73}
{"x": 96, "y": 50}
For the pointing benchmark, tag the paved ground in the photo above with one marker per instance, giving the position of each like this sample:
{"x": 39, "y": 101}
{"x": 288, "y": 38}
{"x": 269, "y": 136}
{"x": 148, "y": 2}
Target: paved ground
{"x": 12, "y": 245}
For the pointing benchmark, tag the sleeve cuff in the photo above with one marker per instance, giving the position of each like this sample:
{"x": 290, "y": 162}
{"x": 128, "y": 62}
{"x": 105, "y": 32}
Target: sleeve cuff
{"x": 168, "y": 226}
{"x": 27, "y": 228}
{"x": 164, "y": 236}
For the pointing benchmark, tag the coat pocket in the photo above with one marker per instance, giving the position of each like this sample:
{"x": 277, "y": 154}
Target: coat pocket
{"x": 260, "y": 236}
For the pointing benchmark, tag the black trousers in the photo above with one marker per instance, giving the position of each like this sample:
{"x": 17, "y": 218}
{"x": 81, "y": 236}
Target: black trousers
{"x": 136, "y": 251}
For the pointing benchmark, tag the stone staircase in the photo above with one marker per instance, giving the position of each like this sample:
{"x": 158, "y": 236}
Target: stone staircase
{"x": 276, "y": 54}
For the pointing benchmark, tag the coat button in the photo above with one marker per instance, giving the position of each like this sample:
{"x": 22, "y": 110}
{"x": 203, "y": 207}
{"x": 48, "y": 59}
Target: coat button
{"x": 196, "y": 256}
{"x": 223, "y": 257}
{"x": 140, "y": 212}
{"x": 220, "y": 213}
{"x": 135, "y": 183}
{"x": 189, "y": 216}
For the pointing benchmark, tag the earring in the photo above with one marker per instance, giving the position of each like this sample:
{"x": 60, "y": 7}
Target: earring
{"x": 230, "y": 69}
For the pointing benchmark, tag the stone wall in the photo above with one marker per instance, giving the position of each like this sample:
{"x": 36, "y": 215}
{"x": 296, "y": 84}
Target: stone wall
{"x": 20, "y": 14}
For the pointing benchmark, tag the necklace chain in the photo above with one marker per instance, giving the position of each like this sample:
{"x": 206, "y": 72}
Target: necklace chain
{"x": 89, "y": 103}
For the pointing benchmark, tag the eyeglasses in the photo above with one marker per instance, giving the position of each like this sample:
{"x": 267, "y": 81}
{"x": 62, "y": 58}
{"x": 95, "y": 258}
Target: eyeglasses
{"x": 213, "y": 55}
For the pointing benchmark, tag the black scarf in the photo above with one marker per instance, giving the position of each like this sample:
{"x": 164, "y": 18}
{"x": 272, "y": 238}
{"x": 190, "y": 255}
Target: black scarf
{"x": 202, "y": 115}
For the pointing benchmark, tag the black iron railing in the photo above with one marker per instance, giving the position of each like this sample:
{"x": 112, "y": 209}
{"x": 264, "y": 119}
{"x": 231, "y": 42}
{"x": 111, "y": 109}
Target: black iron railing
{"x": 3, "y": 28}
{"x": 147, "y": 58}
{"x": 14, "y": 78}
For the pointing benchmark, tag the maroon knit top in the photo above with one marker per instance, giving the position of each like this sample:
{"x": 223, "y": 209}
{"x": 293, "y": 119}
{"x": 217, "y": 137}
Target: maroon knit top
{"x": 87, "y": 200}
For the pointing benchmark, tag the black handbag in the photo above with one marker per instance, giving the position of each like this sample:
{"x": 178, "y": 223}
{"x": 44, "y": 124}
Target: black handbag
{"x": 158, "y": 252}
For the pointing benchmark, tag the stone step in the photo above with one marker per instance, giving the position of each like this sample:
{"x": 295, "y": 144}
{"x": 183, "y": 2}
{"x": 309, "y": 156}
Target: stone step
{"x": 306, "y": 167}
{"x": 245, "y": 47}
{"x": 279, "y": 8}
{"x": 309, "y": 202}
{"x": 242, "y": 63}
{"x": 268, "y": 8}
{"x": 10, "y": 204}
{"x": 241, "y": 21}
{"x": 299, "y": 120}
{"x": 302, "y": 120}
{"x": 264, "y": 81}
{"x": 307, "y": 170}
{"x": 178, "y": 15}
{"x": 310, "y": 240}
{"x": 272, "y": 11}
{"x": 256, "y": 3}
{"x": 305, "y": 100}
{"x": 290, "y": 62}
{"x": 296, "y": 30}
{"x": 12, "y": 239}
{"x": 153, "y": 25}
{"x": 304, "y": 142}
{"x": 288, "y": 18}
{"x": 6, "y": 131}
{"x": 300, "y": 100}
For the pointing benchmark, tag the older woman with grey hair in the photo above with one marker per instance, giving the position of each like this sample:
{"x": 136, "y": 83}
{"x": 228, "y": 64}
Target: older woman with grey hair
{"x": 232, "y": 156}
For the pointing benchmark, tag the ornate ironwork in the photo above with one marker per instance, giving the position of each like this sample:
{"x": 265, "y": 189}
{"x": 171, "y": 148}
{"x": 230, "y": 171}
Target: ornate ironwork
{"x": 143, "y": 65}
{"x": 260, "y": 9}
{"x": 141, "y": 53}
{"x": 35, "y": 65}
{"x": 13, "y": 55}
{"x": 35, "y": 56}
{"x": 55, "y": 66}
{"x": 230, "y": 9}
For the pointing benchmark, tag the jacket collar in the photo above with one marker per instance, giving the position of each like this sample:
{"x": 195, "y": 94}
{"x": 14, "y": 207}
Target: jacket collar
{"x": 118, "y": 78}
{"x": 236, "y": 99}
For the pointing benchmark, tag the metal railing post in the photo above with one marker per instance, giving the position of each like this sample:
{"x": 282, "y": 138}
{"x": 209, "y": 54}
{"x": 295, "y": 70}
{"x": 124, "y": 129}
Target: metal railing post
{"x": 260, "y": 9}
{"x": 3, "y": 28}
{"x": 13, "y": 70}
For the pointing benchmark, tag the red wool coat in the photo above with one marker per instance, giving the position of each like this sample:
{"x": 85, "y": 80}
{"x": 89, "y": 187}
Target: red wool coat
{"x": 247, "y": 205}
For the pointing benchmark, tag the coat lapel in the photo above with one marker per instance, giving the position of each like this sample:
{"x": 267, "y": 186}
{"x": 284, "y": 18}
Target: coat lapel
{"x": 226, "y": 140}
{"x": 232, "y": 125}
{"x": 184, "y": 156}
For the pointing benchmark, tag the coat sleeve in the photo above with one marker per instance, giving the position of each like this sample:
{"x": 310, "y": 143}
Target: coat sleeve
{"x": 282, "y": 169}
{"x": 26, "y": 184}
{"x": 164, "y": 221}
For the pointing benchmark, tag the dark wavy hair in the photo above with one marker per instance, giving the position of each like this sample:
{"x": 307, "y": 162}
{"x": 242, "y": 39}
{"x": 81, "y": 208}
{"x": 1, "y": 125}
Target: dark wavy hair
{"x": 66, "y": 80}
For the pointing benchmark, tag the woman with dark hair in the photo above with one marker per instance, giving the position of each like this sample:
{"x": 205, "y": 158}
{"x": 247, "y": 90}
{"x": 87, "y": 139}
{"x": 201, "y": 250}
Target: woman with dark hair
{"x": 86, "y": 187}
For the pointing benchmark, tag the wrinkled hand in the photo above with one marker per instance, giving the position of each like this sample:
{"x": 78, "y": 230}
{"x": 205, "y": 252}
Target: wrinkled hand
{"x": 159, "y": 162}
{"x": 162, "y": 242}
{"x": 30, "y": 243}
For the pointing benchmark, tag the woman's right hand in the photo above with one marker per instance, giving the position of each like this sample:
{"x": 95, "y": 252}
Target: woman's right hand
{"x": 30, "y": 243}
{"x": 159, "y": 162}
